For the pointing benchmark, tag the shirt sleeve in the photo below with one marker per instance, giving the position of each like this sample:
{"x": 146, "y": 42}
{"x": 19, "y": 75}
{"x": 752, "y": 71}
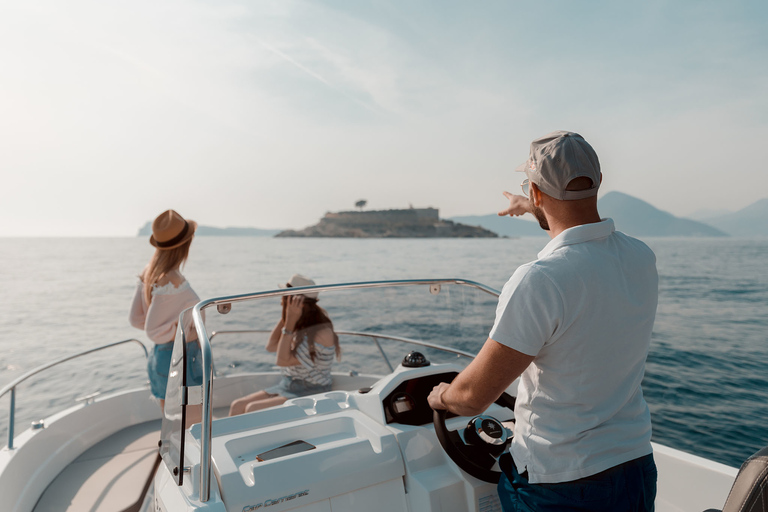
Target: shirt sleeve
{"x": 528, "y": 312}
{"x": 163, "y": 316}
{"x": 138, "y": 313}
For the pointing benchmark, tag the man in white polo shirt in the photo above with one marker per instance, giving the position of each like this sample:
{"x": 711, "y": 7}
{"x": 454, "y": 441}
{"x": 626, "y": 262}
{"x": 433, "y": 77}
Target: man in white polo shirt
{"x": 575, "y": 325}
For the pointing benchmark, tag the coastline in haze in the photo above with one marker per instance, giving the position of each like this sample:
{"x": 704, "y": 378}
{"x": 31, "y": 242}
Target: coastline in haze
{"x": 632, "y": 216}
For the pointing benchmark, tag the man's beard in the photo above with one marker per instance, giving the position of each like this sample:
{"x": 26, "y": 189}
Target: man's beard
{"x": 539, "y": 214}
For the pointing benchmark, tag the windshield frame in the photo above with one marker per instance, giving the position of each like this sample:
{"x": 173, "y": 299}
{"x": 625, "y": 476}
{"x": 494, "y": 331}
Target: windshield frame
{"x": 224, "y": 304}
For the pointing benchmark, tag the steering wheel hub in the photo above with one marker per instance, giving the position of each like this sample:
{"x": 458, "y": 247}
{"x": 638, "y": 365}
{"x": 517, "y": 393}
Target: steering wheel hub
{"x": 485, "y": 430}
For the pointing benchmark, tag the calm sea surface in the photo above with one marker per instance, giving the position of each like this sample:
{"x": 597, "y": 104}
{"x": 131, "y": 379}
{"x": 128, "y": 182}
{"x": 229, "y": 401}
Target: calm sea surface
{"x": 707, "y": 373}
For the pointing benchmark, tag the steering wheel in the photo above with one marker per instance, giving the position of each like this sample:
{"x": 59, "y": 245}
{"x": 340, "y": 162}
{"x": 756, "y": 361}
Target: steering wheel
{"x": 486, "y": 438}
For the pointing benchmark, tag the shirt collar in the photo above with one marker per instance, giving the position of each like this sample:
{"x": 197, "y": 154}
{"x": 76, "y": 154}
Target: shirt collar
{"x": 579, "y": 234}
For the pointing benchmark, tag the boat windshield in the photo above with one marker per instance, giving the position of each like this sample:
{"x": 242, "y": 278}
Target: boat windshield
{"x": 180, "y": 388}
{"x": 377, "y": 324}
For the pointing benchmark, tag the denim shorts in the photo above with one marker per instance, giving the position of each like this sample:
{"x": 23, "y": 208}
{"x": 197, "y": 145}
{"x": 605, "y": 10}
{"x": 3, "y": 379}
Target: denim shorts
{"x": 159, "y": 364}
{"x": 289, "y": 387}
{"x": 628, "y": 487}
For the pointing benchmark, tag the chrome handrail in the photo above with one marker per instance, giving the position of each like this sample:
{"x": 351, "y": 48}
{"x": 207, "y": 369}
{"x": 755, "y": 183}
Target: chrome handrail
{"x": 12, "y": 386}
{"x": 207, "y": 356}
{"x": 375, "y": 336}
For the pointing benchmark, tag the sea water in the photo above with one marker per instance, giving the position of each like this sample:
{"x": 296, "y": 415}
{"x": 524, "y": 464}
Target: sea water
{"x": 707, "y": 374}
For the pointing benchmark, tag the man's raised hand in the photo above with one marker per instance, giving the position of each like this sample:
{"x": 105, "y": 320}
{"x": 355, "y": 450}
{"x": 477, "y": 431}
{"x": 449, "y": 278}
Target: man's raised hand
{"x": 518, "y": 205}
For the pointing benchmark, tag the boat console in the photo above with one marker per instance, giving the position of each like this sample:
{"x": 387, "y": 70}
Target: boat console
{"x": 372, "y": 449}
{"x": 329, "y": 453}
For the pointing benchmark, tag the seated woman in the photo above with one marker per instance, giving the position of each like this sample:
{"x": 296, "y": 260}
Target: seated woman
{"x": 305, "y": 343}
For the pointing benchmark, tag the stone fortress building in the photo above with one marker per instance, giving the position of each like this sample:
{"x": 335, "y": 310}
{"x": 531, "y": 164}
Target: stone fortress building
{"x": 405, "y": 223}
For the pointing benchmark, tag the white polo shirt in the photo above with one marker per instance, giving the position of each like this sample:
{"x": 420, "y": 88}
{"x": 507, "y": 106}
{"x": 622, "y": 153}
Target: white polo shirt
{"x": 585, "y": 309}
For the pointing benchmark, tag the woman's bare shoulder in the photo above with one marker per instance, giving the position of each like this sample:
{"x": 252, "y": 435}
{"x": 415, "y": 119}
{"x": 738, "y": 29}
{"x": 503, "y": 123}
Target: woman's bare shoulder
{"x": 174, "y": 277}
{"x": 325, "y": 336}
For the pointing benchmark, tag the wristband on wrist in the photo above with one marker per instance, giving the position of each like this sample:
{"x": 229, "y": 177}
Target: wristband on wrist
{"x": 286, "y": 331}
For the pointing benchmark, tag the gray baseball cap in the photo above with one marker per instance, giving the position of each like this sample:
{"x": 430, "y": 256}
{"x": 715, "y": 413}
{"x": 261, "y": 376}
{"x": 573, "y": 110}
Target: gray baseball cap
{"x": 558, "y": 158}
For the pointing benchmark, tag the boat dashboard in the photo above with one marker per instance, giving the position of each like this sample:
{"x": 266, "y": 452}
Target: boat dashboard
{"x": 407, "y": 403}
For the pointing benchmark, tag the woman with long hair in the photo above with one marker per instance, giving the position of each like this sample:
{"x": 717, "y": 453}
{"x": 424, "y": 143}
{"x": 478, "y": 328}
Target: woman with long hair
{"x": 162, "y": 293}
{"x": 305, "y": 344}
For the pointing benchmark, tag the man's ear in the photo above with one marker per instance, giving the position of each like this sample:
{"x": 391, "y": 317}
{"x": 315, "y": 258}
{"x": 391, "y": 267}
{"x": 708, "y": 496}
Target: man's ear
{"x": 535, "y": 194}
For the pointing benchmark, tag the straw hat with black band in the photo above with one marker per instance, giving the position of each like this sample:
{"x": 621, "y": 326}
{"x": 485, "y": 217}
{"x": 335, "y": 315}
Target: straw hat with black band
{"x": 170, "y": 230}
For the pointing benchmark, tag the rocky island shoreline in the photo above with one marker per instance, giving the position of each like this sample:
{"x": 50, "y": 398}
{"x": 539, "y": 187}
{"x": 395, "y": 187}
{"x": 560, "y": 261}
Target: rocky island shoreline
{"x": 406, "y": 223}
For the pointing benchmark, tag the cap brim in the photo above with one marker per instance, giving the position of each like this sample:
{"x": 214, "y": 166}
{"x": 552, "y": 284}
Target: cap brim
{"x": 526, "y": 168}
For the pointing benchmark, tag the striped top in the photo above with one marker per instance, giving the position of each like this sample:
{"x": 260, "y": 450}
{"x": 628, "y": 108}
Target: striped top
{"x": 317, "y": 373}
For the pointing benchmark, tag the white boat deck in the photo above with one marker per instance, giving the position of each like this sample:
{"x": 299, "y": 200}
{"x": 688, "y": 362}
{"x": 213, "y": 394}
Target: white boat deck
{"x": 112, "y": 476}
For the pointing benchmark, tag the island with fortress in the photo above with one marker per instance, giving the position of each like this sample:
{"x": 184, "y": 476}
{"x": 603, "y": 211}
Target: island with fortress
{"x": 630, "y": 214}
{"x": 404, "y": 223}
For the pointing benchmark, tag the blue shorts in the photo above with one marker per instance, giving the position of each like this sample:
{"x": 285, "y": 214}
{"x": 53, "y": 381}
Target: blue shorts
{"x": 159, "y": 363}
{"x": 289, "y": 387}
{"x": 627, "y": 487}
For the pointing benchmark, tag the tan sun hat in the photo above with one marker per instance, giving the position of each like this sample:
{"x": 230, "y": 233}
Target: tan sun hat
{"x": 170, "y": 230}
{"x": 298, "y": 280}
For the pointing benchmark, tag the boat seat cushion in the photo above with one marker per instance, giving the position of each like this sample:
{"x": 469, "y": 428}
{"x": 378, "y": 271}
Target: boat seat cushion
{"x": 750, "y": 489}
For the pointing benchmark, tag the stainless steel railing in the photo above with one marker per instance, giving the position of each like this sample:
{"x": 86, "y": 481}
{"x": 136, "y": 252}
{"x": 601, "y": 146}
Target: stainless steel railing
{"x": 374, "y": 336}
{"x": 226, "y": 302}
{"x": 11, "y": 388}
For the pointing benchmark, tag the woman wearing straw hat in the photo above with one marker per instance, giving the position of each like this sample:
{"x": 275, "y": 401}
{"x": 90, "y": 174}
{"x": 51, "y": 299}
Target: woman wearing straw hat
{"x": 305, "y": 344}
{"x": 162, "y": 293}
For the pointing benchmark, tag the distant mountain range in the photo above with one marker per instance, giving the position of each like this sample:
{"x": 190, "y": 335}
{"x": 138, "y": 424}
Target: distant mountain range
{"x": 748, "y": 222}
{"x": 631, "y": 215}
{"x": 638, "y": 218}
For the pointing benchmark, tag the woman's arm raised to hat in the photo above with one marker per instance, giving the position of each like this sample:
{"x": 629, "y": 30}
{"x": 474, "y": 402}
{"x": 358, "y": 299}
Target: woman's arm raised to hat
{"x": 518, "y": 205}
{"x": 284, "y": 355}
{"x": 274, "y": 336}
{"x": 293, "y": 312}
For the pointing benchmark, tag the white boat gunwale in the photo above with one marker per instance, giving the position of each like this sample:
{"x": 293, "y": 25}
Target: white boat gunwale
{"x": 11, "y": 387}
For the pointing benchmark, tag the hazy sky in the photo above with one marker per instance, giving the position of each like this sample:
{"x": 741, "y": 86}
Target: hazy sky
{"x": 270, "y": 113}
